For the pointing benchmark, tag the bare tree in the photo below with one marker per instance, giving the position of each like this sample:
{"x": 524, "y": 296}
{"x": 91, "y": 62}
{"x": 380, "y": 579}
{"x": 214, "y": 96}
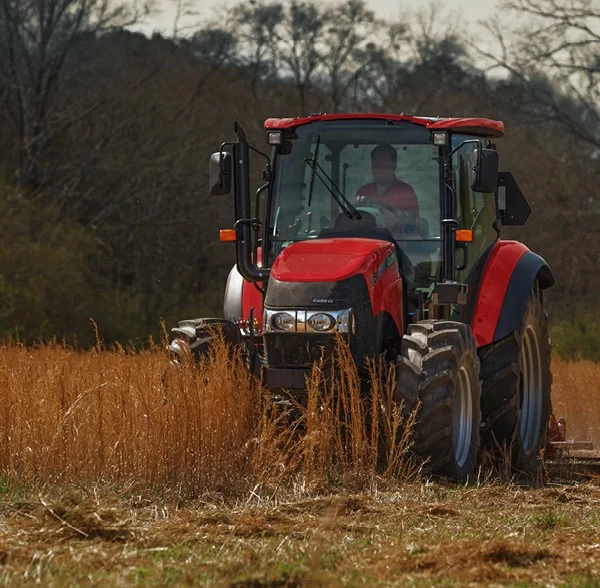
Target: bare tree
{"x": 555, "y": 59}
{"x": 300, "y": 46}
{"x": 352, "y": 36}
{"x": 326, "y": 49}
{"x": 36, "y": 41}
{"x": 255, "y": 25}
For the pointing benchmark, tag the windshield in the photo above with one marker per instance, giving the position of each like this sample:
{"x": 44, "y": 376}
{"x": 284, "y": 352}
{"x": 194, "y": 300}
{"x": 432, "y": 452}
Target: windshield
{"x": 356, "y": 176}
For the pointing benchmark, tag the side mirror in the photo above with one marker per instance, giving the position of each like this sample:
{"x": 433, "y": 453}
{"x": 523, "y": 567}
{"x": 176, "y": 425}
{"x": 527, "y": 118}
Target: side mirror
{"x": 219, "y": 173}
{"x": 485, "y": 172}
{"x": 512, "y": 205}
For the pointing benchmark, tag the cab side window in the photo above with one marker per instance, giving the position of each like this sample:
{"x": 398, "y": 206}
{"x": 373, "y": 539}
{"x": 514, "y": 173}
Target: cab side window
{"x": 474, "y": 210}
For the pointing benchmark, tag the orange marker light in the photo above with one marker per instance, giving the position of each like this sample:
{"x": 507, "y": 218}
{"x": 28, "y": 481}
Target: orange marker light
{"x": 464, "y": 236}
{"x": 227, "y": 235}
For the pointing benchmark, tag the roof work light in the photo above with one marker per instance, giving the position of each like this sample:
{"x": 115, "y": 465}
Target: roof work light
{"x": 275, "y": 137}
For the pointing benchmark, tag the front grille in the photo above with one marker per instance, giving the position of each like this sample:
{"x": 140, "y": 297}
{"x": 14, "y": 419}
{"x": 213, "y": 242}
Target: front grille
{"x": 296, "y": 349}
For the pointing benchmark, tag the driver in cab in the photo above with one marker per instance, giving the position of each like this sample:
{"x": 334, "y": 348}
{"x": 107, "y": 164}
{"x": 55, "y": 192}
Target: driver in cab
{"x": 387, "y": 188}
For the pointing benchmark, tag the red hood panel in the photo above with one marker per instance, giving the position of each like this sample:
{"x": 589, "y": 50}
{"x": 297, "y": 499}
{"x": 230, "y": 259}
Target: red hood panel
{"x": 328, "y": 260}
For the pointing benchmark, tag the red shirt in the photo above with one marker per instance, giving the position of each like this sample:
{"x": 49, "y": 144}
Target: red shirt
{"x": 398, "y": 194}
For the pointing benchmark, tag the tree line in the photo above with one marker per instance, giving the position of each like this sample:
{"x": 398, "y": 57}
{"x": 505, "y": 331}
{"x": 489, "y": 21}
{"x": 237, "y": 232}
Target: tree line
{"x": 107, "y": 133}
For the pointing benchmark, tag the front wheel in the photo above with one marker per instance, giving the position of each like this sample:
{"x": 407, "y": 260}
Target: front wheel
{"x": 191, "y": 340}
{"x": 438, "y": 368}
{"x": 195, "y": 336}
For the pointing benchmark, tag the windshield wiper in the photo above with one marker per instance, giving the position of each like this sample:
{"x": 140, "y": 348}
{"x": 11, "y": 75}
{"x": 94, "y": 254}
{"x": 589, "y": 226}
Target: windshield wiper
{"x": 331, "y": 187}
{"x": 313, "y": 168}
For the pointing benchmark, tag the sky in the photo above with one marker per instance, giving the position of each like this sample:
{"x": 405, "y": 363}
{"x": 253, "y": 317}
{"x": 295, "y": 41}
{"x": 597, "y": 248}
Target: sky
{"x": 465, "y": 10}
{"x": 473, "y": 10}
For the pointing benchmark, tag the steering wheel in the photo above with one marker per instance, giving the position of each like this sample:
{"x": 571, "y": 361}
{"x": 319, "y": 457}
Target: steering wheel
{"x": 400, "y": 217}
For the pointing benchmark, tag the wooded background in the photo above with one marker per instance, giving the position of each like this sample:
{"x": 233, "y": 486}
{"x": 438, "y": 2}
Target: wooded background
{"x": 106, "y": 134}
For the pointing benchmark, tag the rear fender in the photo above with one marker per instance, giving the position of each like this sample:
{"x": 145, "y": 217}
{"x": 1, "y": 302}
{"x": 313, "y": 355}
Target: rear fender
{"x": 510, "y": 272}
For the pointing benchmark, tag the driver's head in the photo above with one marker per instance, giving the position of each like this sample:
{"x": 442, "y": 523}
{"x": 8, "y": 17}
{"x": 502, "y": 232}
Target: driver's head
{"x": 384, "y": 159}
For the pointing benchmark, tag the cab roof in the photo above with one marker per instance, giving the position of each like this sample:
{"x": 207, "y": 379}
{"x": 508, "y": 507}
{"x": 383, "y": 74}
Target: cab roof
{"x": 480, "y": 127}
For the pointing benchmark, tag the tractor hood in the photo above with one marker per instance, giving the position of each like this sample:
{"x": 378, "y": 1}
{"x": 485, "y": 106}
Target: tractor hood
{"x": 331, "y": 260}
{"x": 357, "y": 276}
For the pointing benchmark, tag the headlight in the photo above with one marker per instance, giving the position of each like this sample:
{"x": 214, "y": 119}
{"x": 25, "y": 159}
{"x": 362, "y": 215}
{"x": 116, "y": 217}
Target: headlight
{"x": 308, "y": 321}
{"x": 345, "y": 322}
{"x": 321, "y": 322}
{"x": 284, "y": 321}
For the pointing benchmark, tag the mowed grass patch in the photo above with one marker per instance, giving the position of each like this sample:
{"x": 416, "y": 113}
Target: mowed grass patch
{"x": 418, "y": 535}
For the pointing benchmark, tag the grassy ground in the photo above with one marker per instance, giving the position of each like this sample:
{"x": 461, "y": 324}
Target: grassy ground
{"x": 417, "y": 535}
{"x": 115, "y": 471}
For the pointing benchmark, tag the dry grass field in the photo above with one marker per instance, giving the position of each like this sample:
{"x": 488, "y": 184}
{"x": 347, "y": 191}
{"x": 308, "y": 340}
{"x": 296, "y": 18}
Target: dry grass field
{"x": 117, "y": 470}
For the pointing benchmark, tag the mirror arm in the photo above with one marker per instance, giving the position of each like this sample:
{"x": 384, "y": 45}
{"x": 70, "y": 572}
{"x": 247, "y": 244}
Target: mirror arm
{"x": 267, "y": 170}
{"x": 467, "y": 142}
{"x": 257, "y": 196}
{"x": 259, "y": 153}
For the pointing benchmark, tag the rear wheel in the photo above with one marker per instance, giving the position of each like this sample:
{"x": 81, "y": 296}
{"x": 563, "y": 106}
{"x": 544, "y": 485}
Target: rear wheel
{"x": 439, "y": 368}
{"x": 516, "y": 406}
{"x": 500, "y": 390}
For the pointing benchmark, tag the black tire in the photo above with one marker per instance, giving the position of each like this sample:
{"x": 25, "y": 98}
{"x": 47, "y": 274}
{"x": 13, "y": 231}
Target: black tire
{"x": 499, "y": 374}
{"x": 516, "y": 402}
{"x": 438, "y": 365}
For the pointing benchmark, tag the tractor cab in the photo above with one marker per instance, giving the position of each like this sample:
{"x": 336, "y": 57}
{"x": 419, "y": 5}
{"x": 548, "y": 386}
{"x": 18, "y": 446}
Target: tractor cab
{"x": 374, "y": 179}
{"x": 427, "y": 185}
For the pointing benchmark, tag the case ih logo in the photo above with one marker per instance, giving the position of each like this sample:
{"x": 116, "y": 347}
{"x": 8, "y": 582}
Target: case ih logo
{"x": 323, "y": 300}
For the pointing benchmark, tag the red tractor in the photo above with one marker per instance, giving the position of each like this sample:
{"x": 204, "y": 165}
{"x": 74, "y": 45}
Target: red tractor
{"x": 386, "y": 230}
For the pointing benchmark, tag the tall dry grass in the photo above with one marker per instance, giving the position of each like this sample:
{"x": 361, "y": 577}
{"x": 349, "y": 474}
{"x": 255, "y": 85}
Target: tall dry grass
{"x": 350, "y": 434}
{"x": 576, "y": 397}
{"x": 119, "y": 416}
{"x": 114, "y": 415}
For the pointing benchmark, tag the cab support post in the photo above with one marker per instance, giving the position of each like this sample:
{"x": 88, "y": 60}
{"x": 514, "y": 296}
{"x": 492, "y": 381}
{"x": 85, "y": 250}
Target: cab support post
{"x": 246, "y": 264}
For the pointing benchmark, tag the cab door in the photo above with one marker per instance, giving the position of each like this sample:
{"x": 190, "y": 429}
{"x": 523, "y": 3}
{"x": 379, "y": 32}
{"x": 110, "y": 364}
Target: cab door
{"x": 474, "y": 211}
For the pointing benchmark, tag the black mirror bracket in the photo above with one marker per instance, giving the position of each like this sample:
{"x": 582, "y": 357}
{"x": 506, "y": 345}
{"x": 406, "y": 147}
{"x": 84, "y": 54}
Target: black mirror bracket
{"x": 459, "y": 147}
{"x": 254, "y": 223}
{"x": 465, "y": 262}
